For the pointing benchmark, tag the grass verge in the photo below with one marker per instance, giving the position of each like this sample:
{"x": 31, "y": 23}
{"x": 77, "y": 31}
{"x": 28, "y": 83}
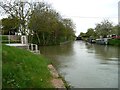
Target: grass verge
{"x": 23, "y": 69}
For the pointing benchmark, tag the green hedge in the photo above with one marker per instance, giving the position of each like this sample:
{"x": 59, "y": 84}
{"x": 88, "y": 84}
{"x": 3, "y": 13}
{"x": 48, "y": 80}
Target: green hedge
{"x": 6, "y": 40}
{"x": 4, "y": 37}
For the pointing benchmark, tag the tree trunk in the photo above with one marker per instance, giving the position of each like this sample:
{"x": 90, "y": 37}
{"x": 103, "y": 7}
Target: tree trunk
{"x": 48, "y": 39}
{"x": 43, "y": 38}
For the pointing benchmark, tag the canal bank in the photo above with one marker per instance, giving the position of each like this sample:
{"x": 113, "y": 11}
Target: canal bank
{"x": 57, "y": 81}
{"x": 23, "y": 69}
{"x": 85, "y": 66}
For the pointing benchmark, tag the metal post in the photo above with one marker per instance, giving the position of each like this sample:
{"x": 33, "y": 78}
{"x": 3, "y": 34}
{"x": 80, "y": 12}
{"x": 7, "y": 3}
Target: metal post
{"x": 28, "y": 46}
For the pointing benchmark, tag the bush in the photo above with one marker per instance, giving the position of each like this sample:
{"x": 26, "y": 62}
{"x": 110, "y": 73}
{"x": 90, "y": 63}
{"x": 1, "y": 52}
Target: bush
{"x": 6, "y": 40}
{"x": 4, "y": 37}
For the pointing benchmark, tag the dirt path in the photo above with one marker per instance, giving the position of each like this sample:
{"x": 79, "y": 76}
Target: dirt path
{"x": 56, "y": 81}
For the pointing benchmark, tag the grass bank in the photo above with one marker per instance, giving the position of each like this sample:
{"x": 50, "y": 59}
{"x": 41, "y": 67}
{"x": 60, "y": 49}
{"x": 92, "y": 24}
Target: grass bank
{"x": 0, "y": 66}
{"x": 115, "y": 42}
{"x": 23, "y": 69}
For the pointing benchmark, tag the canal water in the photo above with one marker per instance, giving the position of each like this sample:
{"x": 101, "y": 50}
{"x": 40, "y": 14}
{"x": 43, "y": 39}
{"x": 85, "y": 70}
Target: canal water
{"x": 85, "y": 65}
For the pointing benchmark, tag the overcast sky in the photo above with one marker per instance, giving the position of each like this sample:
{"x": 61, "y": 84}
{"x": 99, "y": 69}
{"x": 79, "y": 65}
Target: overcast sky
{"x": 86, "y": 13}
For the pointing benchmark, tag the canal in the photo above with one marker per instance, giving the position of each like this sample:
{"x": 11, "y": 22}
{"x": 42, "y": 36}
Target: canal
{"x": 85, "y": 65}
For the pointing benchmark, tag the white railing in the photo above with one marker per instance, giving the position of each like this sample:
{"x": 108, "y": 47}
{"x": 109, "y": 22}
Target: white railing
{"x": 33, "y": 48}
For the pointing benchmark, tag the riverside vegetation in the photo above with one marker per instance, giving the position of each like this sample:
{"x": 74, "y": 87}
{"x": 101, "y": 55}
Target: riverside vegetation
{"x": 43, "y": 26}
{"x": 104, "y": 29}
{"x": 38, "y": 20}
{"x": 23, "y": 69}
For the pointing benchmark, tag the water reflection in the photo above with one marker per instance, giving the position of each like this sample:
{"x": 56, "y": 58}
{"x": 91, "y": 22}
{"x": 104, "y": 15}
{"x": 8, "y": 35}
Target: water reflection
{"x": 54, "y": 52}
{"x": 57, "y": 50}
{"x": 85, "y": 65}
{"x": 106, "y": 54}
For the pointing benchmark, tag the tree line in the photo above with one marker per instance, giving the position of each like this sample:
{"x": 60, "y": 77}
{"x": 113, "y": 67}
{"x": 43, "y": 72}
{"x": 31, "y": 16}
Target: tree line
{"x": 104, "y": 29}
{"x": 38, "y": 20}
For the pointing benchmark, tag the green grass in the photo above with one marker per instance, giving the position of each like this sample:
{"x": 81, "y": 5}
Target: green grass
{"x": 115, "y": 42}
{"x": 0, "y": 65}
{"x": 23, "y": 69}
